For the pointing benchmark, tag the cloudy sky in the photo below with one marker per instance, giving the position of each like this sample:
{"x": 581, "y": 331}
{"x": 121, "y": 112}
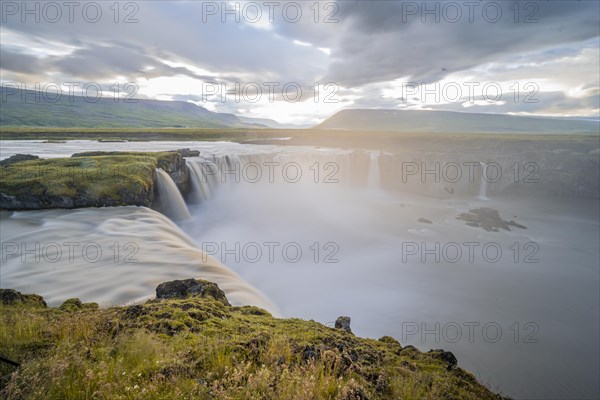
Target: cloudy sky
{"x": 300, "y": 62}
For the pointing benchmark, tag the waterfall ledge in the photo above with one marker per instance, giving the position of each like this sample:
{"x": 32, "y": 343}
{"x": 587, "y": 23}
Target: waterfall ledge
{"x": 93, "y": 179}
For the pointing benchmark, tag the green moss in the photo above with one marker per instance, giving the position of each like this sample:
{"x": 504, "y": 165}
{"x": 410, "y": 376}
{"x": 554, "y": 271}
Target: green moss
{"x": 85, "y": 181}
{"x": 251, "y": 310}
{"x": 69, "y": 176}
{"x": 202, "y": 348}
{"x": 71, "y": 305}
{"x": 16, "y": 299}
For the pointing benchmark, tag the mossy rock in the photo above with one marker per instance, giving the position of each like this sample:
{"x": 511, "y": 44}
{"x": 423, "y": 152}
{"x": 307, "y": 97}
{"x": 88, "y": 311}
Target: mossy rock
{"x": 75, "y": 304}
{"x": 99, "y": 181}
{"x": 13, "y": 297}
{"x": 390, "y": 341}
{"x": 181, "y": 289}
{"x": 89, "y": 179}
{"x": 252, "y": 310}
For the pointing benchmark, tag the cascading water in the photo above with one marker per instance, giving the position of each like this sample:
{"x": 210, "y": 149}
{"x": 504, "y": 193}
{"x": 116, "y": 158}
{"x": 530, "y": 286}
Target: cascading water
{"x": 374, "y": 178}
{"x": 115, "y": 255}
{"x": 200, "y": 188}
{"x": 204, "y": 178}
{"x": 198, "y": 193}
{"x": 483, "y": 185}
{"x": 169, "y": 200}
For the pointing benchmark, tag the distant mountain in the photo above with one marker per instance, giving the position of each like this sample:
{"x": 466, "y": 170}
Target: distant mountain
{"x": 448, "y": 121}
{"x": 271, "y": 123}
{"x": 29, "y": 108}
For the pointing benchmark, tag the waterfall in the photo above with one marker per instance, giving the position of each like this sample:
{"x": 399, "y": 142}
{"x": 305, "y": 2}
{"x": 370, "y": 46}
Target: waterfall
{"x": 169, "y": 200}
{"x": 204, "y": 177}
{"x": 373, "y": 179}
{"x": 133, "y": 250}
{"x": 200, "y": 189}
{"x": 483, "y": 185}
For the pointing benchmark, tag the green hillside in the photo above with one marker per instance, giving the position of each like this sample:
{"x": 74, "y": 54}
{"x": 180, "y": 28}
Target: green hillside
{"x": 30, "y": 109}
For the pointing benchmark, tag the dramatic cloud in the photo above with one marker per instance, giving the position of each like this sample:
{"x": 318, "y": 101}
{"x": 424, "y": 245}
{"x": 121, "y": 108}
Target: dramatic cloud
{"x": 367, "y": 49}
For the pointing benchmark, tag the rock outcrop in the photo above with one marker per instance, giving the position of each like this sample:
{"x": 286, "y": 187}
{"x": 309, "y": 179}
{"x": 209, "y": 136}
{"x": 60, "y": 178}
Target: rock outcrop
{"x": 17, "y": 158}
{"x": 343, "y": 323}
{"x": 445, "y": 356}
{"x": 181, "y": 289}
{"x": 187, "y": 152}
{"x": 12, "y": 297}
{"x": 91, "y": 179}
{"x": 75, "y": 304}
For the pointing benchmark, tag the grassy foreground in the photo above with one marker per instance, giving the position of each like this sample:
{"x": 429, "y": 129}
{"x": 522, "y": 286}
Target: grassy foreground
{"x": 203, "y": 348}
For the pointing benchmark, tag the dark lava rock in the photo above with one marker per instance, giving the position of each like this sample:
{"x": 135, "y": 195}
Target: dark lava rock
{"x": 488, "y": 219}
{"x": 343, "y": 323}
{"x": 17, "y": 158}
{"x": 190, "y": 288}
{"x": 446, "y": 357}
{"x": 424, "y": 221}
{"x": 134, "y": 311}
{"x": 11, "y": 297}
{"x": 310, "y": 352}
{"x": 187, "y": 152}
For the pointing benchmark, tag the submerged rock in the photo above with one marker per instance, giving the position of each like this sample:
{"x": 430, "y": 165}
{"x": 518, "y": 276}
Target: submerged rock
{"x": 190, "y": 288}
{"x": 343, "y": 323}
{"x": 424, "y": 221}
{"x": 488, "y": 219}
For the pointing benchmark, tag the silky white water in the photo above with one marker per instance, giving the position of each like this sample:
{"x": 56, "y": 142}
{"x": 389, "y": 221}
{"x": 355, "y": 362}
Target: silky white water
{"x": 511, "y": 322}
{"x": 483, "y": 185}
{"x": 170, "y": 202}
{"x": 374, "y": 178}
{"x": 111, "y": 256}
